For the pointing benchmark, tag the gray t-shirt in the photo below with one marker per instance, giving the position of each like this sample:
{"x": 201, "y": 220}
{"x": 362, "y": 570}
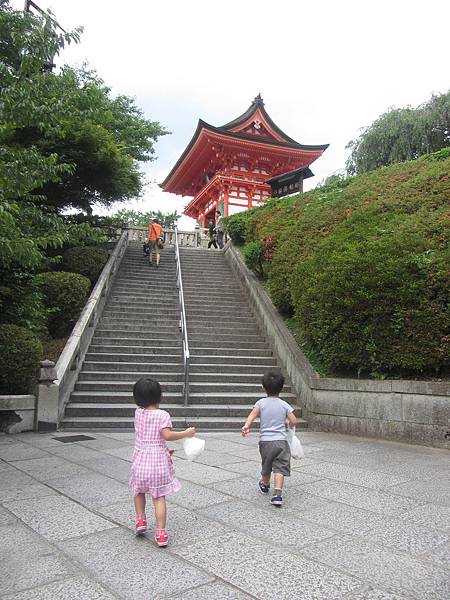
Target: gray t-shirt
{"x": 272, "y": 416}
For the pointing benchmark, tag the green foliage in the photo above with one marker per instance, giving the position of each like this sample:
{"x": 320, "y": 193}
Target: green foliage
{"x": 254, "y": 257}
{"x": 20, "y": 301}
{"x": 20, "y": 353}
{"x": 237, "y": 226}
{"x": 86, "y": 260}
{"x": 362, "y": 264}
{"x": 134, "y": 218}
{"x": 402, "y": 134}
{"x": 65, "y": 295}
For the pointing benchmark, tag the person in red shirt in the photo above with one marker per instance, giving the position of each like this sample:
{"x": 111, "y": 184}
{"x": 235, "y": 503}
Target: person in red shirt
{"x": 154, "y": 233}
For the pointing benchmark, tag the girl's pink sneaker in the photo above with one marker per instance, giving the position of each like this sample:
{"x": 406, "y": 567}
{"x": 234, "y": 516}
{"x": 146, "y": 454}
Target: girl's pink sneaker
{"x": 161, "y": 538}
{"x": 141, "y": 525}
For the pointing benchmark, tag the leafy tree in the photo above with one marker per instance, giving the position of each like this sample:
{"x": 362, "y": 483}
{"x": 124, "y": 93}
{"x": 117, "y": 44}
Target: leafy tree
{"x": 64, "y": 142}
{"x": 134, "y": 218}
{"x": 402, "y": 134}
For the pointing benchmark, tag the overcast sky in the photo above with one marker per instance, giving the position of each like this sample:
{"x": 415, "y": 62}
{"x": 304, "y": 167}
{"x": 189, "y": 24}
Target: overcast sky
{"x": 324, "y": 68}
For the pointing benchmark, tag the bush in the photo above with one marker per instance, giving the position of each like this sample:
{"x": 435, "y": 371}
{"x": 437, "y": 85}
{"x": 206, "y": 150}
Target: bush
{"x": 254, "y": 257}
{"x": 20, "y": 301}
{"x": 361, "y": 263}
{"x": 236, "y": 227}
{"x": 20, "y": 353}
{"x": 87, "y": 260}
{"x": 65, "y": 295}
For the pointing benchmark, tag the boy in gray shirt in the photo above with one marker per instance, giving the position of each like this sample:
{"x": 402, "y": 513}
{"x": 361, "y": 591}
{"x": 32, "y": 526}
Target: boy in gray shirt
{"x": 273, "y": 445}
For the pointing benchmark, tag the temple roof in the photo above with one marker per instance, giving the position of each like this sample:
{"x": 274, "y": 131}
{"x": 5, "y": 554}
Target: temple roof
{"x": 254, "y": 125}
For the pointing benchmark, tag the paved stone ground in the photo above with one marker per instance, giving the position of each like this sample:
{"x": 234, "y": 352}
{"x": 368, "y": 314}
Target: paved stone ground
{"x": 362, "y": 520}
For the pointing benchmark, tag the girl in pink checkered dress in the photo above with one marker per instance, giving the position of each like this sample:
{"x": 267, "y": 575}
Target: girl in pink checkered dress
{"x": 152, "y": 469}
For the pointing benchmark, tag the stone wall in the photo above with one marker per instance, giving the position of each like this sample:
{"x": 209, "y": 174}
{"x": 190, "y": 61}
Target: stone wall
{"x": 403, "y": 410}
{"x": 17, "y": 413}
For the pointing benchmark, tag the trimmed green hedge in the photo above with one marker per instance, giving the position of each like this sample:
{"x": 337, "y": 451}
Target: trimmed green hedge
{"x": 362, "y": 264}
{"x": 20, "y": 353}
{"x": 86, "y": 260}
{"x": 65, "y": 295}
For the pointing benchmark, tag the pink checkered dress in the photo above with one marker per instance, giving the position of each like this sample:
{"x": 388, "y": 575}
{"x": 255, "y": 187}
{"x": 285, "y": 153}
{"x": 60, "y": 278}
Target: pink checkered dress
{"x": 152, "y": 470}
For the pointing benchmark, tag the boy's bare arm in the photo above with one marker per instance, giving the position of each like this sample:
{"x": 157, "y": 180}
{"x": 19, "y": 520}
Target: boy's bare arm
{"x": 251, "y": 417}
{"x": 292, "y": 419}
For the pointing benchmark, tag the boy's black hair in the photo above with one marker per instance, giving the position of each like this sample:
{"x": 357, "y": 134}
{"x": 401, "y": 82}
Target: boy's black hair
{"x": 146, "y": 391}
{"x": 273, "y": 382}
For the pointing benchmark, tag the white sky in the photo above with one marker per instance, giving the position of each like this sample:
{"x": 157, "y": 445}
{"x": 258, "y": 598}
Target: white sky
{"x": 324, "y": 68}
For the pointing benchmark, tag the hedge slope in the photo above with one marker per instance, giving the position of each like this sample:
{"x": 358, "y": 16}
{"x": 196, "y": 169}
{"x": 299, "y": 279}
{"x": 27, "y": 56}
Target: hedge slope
{"x": 362, "y": 264}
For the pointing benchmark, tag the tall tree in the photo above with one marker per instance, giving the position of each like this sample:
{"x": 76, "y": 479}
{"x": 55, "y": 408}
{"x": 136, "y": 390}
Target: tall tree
{"x": 402, "y": 134}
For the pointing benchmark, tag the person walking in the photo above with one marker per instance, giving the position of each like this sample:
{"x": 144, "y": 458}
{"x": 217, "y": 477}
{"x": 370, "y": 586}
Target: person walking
{"x": 212, "y": 235}
{"x": 152, "y": 468}
{"x": 154, "y": 236}
{"x": 273, "y": 445}
{"x": 219, "y": 228}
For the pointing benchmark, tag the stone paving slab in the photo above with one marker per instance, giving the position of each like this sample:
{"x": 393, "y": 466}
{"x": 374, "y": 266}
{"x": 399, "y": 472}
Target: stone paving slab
{"x": 57, "y": 518}
{"x": 253, "y": 566}
{"x": 211, "y": 590}
{"x": 392, "y": 570}
{"x": 362, "y": 520}
{"x": 429, "y": 515}
{"x": 288, "y": 531}
{"x": 361, "y": 497}
{"x": 374, "y": 594}
{"x": 354, "y": 475}
{"x": 75, "y": 588}
{"x": 132, "y": 566}
{"x": 28, "y": 560}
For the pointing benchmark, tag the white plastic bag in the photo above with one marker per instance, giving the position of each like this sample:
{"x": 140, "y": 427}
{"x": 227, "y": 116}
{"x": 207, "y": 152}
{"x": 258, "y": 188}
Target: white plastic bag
{"x": 193, "y": 447}
{"x": 294, "y": 444}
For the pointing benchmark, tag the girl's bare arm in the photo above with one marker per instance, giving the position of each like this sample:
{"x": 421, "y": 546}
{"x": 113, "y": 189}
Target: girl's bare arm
{"x": 172, "y": 436}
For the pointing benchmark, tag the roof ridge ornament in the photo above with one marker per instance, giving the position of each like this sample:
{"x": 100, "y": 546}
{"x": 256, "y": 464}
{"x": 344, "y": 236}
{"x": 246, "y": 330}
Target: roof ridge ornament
{"x": 258, "y": 100}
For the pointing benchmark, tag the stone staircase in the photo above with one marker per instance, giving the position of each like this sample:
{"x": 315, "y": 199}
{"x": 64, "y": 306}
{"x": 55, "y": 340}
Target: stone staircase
{"x": 228, "y": 351}
{"x": 138, "y": 335}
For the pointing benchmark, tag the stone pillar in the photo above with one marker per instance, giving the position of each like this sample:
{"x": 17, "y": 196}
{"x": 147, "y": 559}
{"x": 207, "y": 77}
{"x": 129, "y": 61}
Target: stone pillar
{"x": 47, "y": 414}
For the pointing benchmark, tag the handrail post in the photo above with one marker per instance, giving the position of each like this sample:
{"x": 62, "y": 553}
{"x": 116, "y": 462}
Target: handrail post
{"x": 183, "y": 325}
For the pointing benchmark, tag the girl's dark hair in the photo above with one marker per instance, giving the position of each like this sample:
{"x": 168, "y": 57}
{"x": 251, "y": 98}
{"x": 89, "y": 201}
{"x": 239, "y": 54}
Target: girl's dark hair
{"x": 147, "y": 391}
{"x": 273, "y": 382}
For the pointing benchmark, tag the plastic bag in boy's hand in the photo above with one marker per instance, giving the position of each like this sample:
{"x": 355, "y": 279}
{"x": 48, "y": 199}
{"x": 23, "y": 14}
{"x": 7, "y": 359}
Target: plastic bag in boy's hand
{"x": 193, "y": 447}
{"x": 294, "y": 444}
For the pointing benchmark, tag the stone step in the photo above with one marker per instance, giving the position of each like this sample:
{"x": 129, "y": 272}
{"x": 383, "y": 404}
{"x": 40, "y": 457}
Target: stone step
{"x": 142, "y": 282}
{"x": 213, "y": 342}
{"x": 134, "y": 358}
{"x": 225, "y": 312}
{"x": 127, "y": 423}
{"x": 131, "y": 349}
{"x": 224, "y": 350}
{"x": 157, "y": 330}
{"x": 240, "y": 367}
{"x": 114, "y": 387}
{"x": 145, "y": 368}
{"x": 204, "y": 397}
{"x": 169, "y": 376}
{"x": 220, "y": 359}
{"x": 121, "y": 309}
{"x": 128, "y": 376}
{"x": 134, "y": 334}
{"x": 132, "y": 319}
{"x": 234, "y": 338}
{"x": 141, "y": 301}
{"x": 221, "y": 387}
{"x": 75, "y": 409}
{"x": 123, "y": 341}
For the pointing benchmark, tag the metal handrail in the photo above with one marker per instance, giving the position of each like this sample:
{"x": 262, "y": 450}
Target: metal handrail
{"x": 182, "y": 324}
